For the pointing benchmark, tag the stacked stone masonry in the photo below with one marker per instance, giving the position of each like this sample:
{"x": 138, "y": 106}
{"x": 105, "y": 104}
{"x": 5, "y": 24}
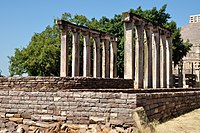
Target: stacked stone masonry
{"x": 90, "y": 106}
{"x": 61, "y": 83}
{"x": 164, "y": 105}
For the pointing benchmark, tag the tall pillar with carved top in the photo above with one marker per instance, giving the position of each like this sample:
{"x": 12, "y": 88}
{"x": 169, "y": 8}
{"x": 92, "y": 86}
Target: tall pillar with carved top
{"x": 139, "y": 56}
{"x": 169, "y": 61}
{"x": 156, "y": 58}
{"x": 163, "y": 70}
{"x": 75, "y": 53}
{"x": 148, "y": 56}
{"x": 64, "y": 53}
{"x": 129, "y": 60}
{"x": 105, "y": 59}
{"x": 86, "y": 55}
{"x": 96, "y": 51}
{"x": 113, "y": 59}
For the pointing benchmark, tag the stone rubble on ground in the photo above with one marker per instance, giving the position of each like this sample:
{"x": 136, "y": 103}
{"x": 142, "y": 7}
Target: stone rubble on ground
{"x": 23, "y": 123}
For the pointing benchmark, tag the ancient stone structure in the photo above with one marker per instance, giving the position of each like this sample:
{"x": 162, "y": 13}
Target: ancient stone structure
{"x": 191, "y": 63}
{"x": 109, "y": 51}
{"x": 41, "y": 101}
{"x": 147, "y": 53}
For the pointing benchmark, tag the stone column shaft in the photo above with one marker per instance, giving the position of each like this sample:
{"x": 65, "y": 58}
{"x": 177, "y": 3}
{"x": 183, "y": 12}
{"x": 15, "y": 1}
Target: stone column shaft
{"x": 64, "y": 53}
{"x": 169, "y": 63}
{"x": 148, "y": 58}
{"x": 105, "y": 59}
{"x": 156, "y": 60}
{"x": 139, "y": 64}
{"x": 86, "y": 56}
{"x": 113, "y": 59}
{"x": 163, "y": 70}
{"x": 75, "y": 54}
{"x": 129, "y": 60}
{"x": 96, "y": 65}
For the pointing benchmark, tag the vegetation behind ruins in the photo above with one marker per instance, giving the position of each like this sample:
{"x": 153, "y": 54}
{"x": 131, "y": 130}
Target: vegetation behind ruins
{"x": 41, "y": 57}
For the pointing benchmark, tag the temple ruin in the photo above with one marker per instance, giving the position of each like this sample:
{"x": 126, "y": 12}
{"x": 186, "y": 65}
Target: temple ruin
{"x": 109, "y": 51}
{"x": 147, "y": 52}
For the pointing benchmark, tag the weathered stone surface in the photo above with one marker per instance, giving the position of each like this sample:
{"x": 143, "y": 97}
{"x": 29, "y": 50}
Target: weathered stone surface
{"x": 17, "y": 120}
{"x": 29, "y": 122}
{"x": 94, "y": 120}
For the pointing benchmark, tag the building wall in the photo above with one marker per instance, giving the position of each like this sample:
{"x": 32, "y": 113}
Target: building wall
{"x": 191, "y": 32}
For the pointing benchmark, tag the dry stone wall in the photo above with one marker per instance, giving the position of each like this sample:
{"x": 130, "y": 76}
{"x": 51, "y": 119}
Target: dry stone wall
{"x": 163, "y": 105}
{"x": 72, "y": 107}
{"x": 36, "y": 101}
{"x": 62, "y": 83}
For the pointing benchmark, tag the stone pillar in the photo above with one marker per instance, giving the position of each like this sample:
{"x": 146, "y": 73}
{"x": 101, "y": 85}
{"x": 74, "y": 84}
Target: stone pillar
{"x": 105, "y": 59}
{"x": 148, "y": 57}
{"x": 139, "y": 64}
{"x": 113, "y": 59}
{"x": 156, "y": 59}
{"x": 163, "y": 69}
{"x": 129, "y": 50}
{"x": 169, "y": 62}
{"x": 96, "y": 65}
{"x": 86, "y": 55}
{"x": 64, "y": 53}
{"x": 75, "y": 54}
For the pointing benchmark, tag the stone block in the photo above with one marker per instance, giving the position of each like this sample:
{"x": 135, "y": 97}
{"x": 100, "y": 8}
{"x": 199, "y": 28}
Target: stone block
{"x": 2, "y": 115}
{"x": 35, "y": 117}
{"x": 59, "y": 118}
{"x": 95, "y": 120}
{"x": 17, "y": 115}
{"x": 17, "y": 120}
{"x": 42, "y": 124}
{"x": 46, "y": 118}
{"x": 9, "y": 115}
{"x": 29, "y": 122}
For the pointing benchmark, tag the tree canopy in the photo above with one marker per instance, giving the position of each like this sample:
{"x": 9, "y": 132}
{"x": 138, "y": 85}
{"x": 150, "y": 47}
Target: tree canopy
{"x": 42, "y": 55}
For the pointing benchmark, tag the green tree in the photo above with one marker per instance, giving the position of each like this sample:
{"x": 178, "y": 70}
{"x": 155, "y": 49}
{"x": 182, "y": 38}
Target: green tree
{"x": 42, "y": 55}
{"x": 179, "y": 47}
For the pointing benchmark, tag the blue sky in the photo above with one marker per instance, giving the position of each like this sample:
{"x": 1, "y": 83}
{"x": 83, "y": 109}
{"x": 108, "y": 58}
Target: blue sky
{"x": 20, "y": 19}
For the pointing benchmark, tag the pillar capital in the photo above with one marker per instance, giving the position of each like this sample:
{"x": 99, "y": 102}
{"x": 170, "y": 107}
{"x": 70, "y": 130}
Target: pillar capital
{"x": 168, "y": 35}
{"x": 155, "y": 29}
{"x": 61, "y": 25}
{"x": 74, "y": 30}
{"x": 148, "y": 26}
{"x": 127, "y": 17}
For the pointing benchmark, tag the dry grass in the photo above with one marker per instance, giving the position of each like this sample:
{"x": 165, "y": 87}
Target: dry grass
{"x": 187, "y": 123}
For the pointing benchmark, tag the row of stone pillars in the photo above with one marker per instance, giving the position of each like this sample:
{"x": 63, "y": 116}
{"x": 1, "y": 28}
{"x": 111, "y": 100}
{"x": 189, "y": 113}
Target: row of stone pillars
{"x": 147, "y": 53}
{"x": 108, "y": 56}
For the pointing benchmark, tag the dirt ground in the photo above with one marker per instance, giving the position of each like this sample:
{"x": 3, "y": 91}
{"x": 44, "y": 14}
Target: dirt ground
{"x": 187, "y": 123}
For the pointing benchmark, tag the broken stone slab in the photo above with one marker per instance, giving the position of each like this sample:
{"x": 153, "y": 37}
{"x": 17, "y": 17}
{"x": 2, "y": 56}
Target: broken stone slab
{"x": 45, "y": 124}
{"x": 95, "y": 120}
{"x": 2, "y": 115}
{"x": 35, "y": 117}
{"x": 17, "y": 120}
{"x": 29, "y": 122}
{"x": 59, "y": 118}
{"x": 42, "y": 124}
{"x": 140, "y": 119}
{"x": 9, "y": 115}
{"x": 26, "y": 115}
{"x": 17, "y": 115}
{"x": 47, "y": 118}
